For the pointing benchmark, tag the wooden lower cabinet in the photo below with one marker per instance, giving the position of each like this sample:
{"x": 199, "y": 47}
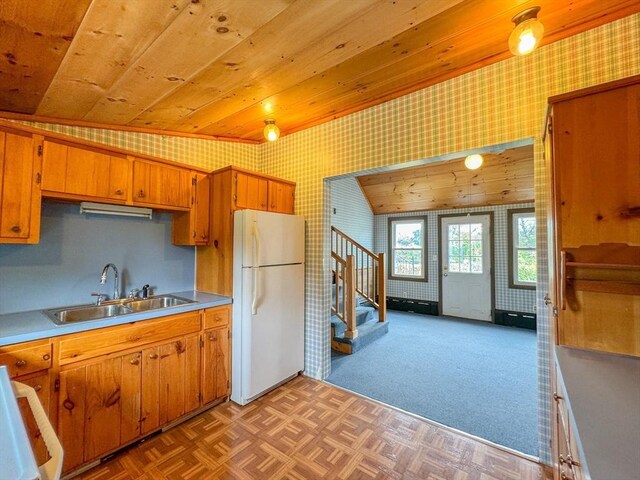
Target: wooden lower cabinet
{"x": 215, "y": 371}
{"x": 107, "y": 401}
{"x": 170, "y": 381}
{"x": 40, "y": 382}
{"x": 98, "y": 408}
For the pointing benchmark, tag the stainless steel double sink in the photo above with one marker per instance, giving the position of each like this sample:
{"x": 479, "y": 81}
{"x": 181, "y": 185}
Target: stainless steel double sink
{"x": 113, "y": 308}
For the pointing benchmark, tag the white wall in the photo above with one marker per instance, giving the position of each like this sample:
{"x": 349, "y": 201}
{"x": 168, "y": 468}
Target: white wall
{"x": 350, "y": 211}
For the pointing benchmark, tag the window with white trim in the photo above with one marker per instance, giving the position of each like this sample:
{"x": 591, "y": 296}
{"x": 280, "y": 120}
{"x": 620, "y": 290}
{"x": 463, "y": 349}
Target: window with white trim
{"x": 523, "y": 248}
{"x": 407, "y": 248}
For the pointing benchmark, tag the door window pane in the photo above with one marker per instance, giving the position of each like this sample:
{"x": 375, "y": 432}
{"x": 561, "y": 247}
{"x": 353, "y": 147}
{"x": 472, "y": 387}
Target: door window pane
{"x": 465, "y": 249}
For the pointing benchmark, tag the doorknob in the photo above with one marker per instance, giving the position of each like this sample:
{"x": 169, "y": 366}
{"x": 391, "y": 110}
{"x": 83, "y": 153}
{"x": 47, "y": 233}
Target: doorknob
{"x": 547, "y": 299}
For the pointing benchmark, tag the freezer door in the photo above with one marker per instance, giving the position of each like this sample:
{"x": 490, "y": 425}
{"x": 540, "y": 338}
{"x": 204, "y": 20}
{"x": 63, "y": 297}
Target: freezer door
{"x": 272, "y": 339}
{"x": 271, "y": 238}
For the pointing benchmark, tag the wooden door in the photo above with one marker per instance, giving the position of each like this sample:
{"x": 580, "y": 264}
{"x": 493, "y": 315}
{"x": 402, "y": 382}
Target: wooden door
{"x": 171, "y": 384}
{"x": 98, "y": 408}
{"x": 162, "y": 185}
{"x": 281, "y": 197}
{"x": 251, "y": 191}
{"x": 84, "y": 171}
{"x": 40, "y": 383}
{"x": 19, "y": 191}
{"x": 215, "y": 364}
{"x": 202, "y": 209}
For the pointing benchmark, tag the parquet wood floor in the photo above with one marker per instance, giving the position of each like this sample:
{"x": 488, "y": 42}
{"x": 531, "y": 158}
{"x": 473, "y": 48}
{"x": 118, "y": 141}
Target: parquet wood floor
{"x": 311, "y": 430}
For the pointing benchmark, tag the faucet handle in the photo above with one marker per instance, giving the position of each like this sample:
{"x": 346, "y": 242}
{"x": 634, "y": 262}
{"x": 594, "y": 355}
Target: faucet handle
{"x": 145, "y": 290}
{"x": 133, "y": 293}
{"x": 101, "y": 297}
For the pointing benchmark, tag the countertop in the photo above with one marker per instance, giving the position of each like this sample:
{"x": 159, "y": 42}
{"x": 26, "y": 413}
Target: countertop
{"x": 34, "y": 324}
{"x": 603, "y": 393}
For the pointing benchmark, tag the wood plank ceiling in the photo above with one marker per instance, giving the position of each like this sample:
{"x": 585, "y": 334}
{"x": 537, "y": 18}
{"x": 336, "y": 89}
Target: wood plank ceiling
{"x": 505, "y": 177}
{"x": 219, "y": 68}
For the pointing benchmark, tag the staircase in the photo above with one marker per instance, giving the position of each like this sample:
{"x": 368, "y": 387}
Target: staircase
{"x": 358, "y": 304}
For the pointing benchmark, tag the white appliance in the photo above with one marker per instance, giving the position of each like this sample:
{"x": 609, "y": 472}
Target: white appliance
{"x": 268, "y": 302}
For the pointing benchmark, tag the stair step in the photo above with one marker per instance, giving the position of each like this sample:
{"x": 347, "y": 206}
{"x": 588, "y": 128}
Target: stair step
{"x": 367, "y": 333}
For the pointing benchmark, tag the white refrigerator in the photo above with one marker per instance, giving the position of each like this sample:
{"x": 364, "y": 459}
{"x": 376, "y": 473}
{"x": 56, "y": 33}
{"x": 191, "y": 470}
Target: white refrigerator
{"x": 267, "y": 338}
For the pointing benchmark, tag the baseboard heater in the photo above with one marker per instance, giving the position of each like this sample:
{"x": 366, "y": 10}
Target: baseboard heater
{"x": 515, "y": 319}
{"x": 411, "y": 305}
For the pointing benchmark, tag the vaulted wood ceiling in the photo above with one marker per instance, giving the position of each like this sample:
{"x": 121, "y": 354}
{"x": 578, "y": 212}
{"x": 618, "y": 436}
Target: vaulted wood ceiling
{"x": 213, "y": 67}
{"x": 505, "y": 177}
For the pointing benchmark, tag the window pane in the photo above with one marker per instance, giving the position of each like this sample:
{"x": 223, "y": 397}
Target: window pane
{"x": 526, "y": 266}
{"x": 454, "y": 265}
{"x": 407, "y": 263}
{"x": 454, "y": 232}
{"x": 476, "y": 264}
{"x": 454, "y": 249}
{"x": 465, "y": 231}
{"x": 476, "y": 231}
{"x": 476, "y": 248}
{"x": 465, "y": 265}
{"x": 465, "y": 248}
{"x": 408, "y": 235}
{"x": 526, "y": 232}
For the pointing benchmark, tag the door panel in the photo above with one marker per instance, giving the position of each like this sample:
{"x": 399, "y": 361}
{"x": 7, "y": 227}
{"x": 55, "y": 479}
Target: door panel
{"x": 150, "y": 404}
{"x": 272, "y": 238}
{"x": 273, "y": 338}
{"x": 71, "y": 413}
{"x": 281, "y": 197}
{"x": 466, "y": 266}
{"x": 251, "y": 192}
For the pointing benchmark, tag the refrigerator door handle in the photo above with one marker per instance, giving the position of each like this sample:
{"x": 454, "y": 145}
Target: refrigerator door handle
{"x": 256, "y": 256}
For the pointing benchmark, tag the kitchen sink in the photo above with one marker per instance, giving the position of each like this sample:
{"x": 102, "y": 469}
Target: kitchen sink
{"x": 114, "y": 308}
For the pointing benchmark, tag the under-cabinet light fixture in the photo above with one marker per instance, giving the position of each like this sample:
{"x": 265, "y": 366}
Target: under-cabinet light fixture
{"x": 527, "y": 33}
{"x": 271, "y": 130}
{"x": 120, "y": 210}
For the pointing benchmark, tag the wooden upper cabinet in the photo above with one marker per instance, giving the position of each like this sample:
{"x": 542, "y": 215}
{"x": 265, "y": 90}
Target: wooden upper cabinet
{"x": 19, "y": 188}
{"x": 84, "y": 172}
{"x": 250, "y": 191}
{"x": 595, "y": 172}
{"x": 193, "y": 227}
{"x": 281, "y": 197}
{"x": 597, "y": 167}
{"x": 157, "y": 184}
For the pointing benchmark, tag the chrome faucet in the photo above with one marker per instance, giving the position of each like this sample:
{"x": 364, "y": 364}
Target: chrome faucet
{"x": 103, "y": 279}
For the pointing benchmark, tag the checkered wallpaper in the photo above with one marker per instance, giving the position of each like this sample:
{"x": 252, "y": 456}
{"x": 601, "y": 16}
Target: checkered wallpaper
{"x": 513, "y": 299}
{"x": 350, "y": 211}
{"x": 500, "y": 103}
{"x": 192, "y": 151}
{"x": 497, "y": 104}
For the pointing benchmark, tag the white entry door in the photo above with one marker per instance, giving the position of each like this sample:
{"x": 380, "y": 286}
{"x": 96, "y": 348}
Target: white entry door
{"x": 466, "y": 266}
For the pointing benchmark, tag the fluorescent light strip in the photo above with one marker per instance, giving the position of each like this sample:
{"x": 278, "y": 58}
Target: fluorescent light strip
{"x": 120, "y": 210}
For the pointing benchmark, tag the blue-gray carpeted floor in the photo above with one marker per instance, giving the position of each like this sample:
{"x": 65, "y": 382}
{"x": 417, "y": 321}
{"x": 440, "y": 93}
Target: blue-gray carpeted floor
{"x": 477, "y": 377}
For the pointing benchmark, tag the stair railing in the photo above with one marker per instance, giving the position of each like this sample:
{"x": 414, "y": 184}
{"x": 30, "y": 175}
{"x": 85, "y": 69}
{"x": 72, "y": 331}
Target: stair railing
{"x": 344, "y": 302}
{"x": 369, "y": 270}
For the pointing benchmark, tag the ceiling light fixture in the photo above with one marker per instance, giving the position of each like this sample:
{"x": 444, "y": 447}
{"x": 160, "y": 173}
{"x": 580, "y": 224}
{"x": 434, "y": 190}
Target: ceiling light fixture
{"x": 473, "y": 162}
{"x": 527, "y": 33}
{"x": 271, "y": 130}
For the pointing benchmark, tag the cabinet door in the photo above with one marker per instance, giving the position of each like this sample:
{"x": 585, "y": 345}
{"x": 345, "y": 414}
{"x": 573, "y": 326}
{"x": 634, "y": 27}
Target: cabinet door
{"x": 19, "y": 189}
{"x": 40, "y": 384}
{"x": 281, "y": 197}
{"x": 98, "y": 408}
{"x": 161, "y": 185}
{"x": 193, "y": 227}
{"x": 170, "y": 386}
{"x": 85, "y": 172}
{"x": 215, "y": 368}
{"x": 251, "y": 191}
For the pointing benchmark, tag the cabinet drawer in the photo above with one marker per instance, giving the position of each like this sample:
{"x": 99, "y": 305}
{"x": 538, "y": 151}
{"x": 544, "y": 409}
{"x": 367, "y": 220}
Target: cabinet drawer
{"x": 86, "y": 345}
{"x": 217, "y": 317}
{"x": 21, "y": 361}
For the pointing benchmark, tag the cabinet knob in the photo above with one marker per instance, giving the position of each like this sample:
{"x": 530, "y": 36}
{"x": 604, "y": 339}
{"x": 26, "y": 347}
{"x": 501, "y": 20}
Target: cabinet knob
{"x": 212, "y": 337}
{"x": 119, "y": 192}
{"x": 141, "y": 193}
{"x": 37, "y": 388}
{"x": 46, "y": 356}
{"x": 135, "y": 361}
{"x": 153, "y": 356}
{"x": 21, "y": 363}
{"x": 16, "y": 228}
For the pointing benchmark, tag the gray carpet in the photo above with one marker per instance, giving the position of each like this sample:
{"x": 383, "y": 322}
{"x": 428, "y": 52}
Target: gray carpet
{"x": 476, "y": 377}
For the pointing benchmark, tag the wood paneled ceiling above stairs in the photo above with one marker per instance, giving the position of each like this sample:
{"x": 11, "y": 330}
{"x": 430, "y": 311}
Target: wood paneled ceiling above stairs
{"x": 505, "y": 177}
{"x": 213, "y": 67}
